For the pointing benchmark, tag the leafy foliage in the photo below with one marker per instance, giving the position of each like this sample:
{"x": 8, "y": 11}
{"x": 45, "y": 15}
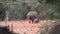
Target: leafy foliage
{"x": 47, "y": 9}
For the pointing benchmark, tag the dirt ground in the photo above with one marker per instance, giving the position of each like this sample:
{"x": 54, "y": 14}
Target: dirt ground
{"x": 23, "y": 26}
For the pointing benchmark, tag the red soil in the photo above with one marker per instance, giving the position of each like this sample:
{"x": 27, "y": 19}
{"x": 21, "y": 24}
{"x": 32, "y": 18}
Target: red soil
{"x": 23, "y": 26}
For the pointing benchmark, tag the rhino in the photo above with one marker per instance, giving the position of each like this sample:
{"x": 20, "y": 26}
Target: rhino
{"x": 32, "y": 15}
{"x": 36, "y": 20}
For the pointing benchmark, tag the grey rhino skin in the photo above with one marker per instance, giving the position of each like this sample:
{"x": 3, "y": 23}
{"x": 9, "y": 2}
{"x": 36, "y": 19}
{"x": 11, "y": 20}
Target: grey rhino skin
{"x": 32, "y": 15}
{"x": 36, "y": 20}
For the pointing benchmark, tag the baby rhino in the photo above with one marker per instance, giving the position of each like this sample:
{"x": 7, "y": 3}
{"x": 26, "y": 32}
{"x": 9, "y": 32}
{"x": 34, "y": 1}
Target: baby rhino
{"x": 32, "y": 15}
{"x": 36, "y": 20}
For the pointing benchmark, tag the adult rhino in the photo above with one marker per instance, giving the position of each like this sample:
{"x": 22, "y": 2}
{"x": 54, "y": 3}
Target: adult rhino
{"x": 32, "y": 15}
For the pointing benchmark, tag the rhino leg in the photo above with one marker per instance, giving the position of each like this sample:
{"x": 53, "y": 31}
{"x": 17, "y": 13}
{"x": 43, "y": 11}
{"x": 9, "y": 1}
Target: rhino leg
{"x": 29, "y": 20}
{"x": 32, "y": 21}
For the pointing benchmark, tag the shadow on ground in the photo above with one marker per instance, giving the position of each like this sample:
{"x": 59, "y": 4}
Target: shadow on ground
{"x": 56, "y": 30}
{"x": 5, "y": 30}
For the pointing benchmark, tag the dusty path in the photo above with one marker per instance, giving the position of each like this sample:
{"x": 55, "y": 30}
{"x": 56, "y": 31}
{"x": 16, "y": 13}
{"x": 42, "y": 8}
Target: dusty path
{"x": 23, "y": 26}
